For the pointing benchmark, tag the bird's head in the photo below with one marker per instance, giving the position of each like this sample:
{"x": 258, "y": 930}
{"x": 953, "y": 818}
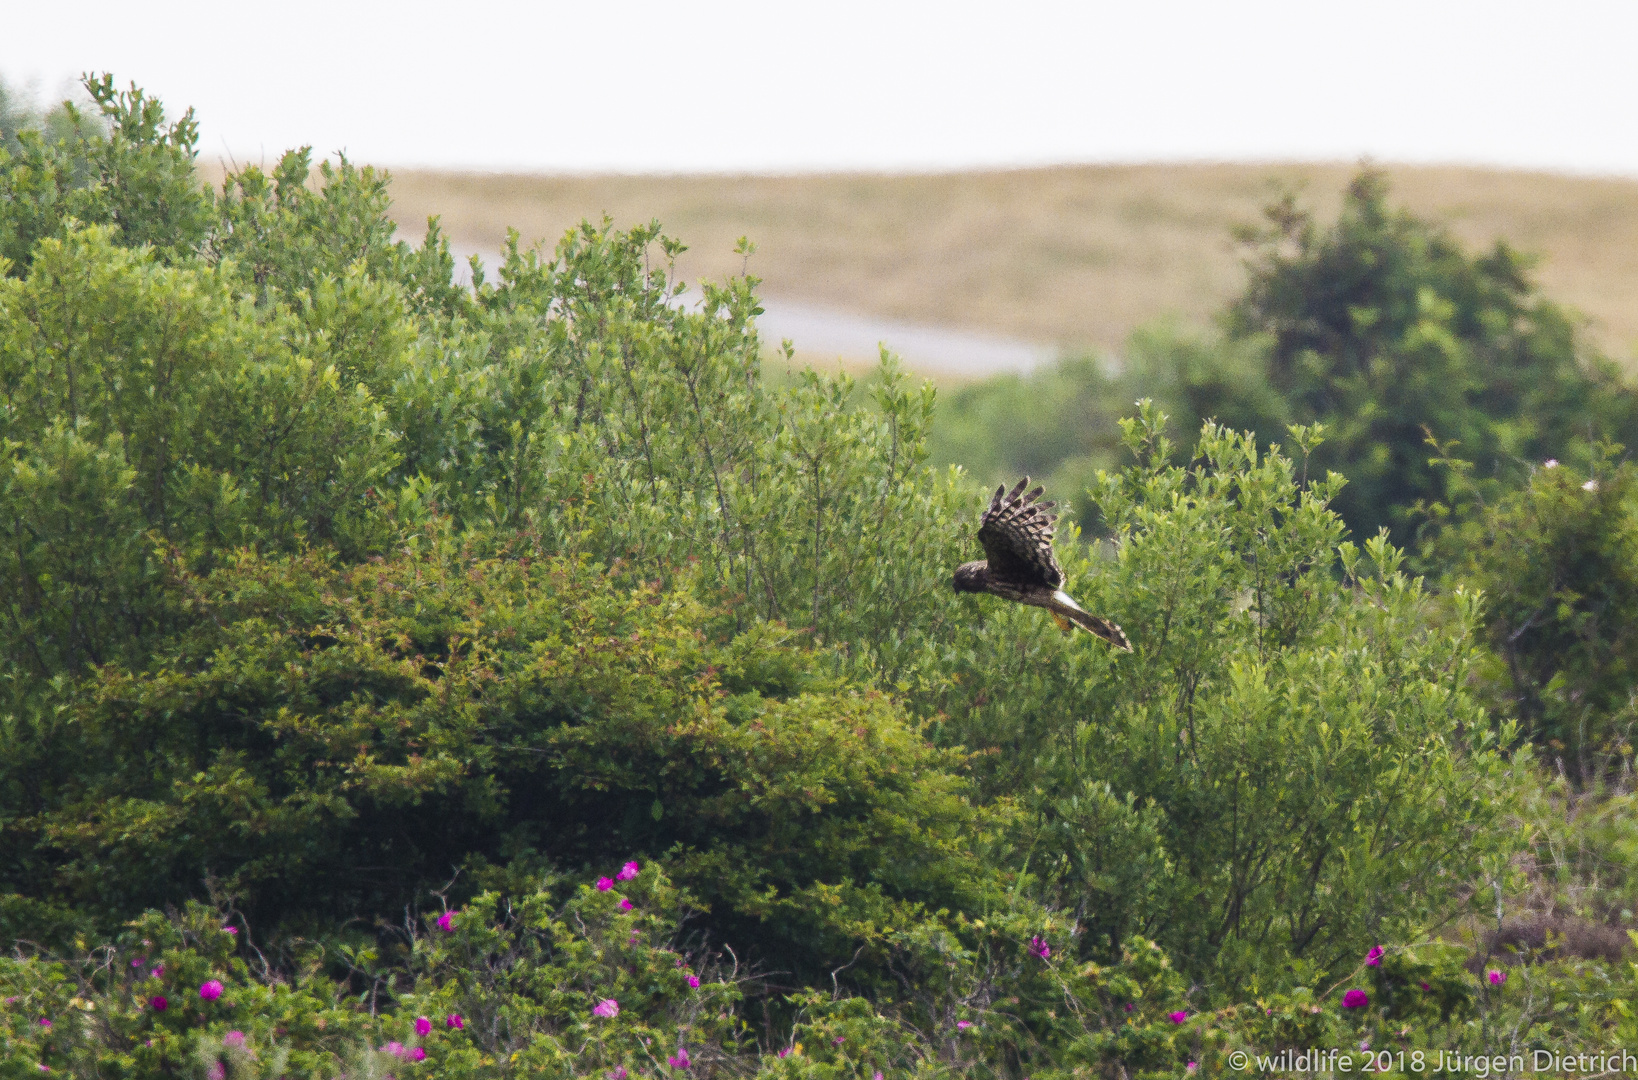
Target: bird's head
{"x": 970, "y": 577}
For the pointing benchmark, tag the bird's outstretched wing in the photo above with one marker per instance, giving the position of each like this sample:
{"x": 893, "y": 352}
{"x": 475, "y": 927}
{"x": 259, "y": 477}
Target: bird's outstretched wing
{"x": 1016, "y": 532}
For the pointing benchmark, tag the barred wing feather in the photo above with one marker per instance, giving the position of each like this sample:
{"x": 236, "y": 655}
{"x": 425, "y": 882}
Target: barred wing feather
{"x": 1016, "y": 532}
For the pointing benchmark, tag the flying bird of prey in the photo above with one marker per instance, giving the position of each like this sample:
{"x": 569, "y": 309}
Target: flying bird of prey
{"x": 1016, "y": 532}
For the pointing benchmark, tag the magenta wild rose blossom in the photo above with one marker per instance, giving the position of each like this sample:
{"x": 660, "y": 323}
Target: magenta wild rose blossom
{"x": 210, "y": 990}
{"x": 628, "y": 871}
{"x": 608, "y": 1009}
{"x": 1374, "y": 957}
{"x": 1355, "y": 999}
{"x": 604, "y": 884}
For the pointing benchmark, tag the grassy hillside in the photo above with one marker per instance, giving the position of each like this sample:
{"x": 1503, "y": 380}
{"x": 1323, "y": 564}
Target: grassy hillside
{"x": 1073, "y": 255}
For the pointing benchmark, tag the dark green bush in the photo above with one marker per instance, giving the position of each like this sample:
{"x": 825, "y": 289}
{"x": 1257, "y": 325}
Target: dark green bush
{"x": 1378, "y": 327}
{"x": 326, "y": 744}
{"x": 1383, "y": 329}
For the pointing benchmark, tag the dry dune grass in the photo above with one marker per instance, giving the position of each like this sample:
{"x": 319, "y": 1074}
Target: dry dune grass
{"x": 1071, "y": 255}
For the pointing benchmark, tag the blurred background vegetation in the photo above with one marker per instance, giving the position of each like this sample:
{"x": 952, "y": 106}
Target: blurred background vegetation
{"x": 407, "y": 674}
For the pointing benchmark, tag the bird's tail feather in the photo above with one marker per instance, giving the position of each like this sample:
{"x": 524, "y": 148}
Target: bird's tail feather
{"x": 1068, "y": 614}
{"x": 1107, "y": 629}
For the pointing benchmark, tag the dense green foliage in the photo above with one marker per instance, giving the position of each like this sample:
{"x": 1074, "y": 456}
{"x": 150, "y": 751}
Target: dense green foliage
{"x": 387, "y": 650}
{"x": 1557, "y": 560}
{"x": 1206, "y": 792}
{"x": 325, "y": 743}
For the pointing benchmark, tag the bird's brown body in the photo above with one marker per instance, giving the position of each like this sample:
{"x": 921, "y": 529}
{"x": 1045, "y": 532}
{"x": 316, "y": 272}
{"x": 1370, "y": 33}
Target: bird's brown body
{"x": 1016, "y": 532}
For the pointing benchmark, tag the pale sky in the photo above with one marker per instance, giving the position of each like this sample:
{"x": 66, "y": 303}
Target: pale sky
{"x": 710, "y": 85}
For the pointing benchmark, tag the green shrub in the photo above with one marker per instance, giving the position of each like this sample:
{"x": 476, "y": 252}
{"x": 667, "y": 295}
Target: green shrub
{"x": 1557, "y": 561}
{"x": 1290, "y": 766}
{"x": 142, "y": 407}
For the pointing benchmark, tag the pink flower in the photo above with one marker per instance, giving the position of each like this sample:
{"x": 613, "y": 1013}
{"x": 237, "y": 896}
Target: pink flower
{"x": 1040, "y": 948}
{"x": 234, "y": 930}
{"x": 617, "y": 1073}
{"x": 784, "y": 1053}
{"x": 233, "y": 1038}
{"x": 1191, "y": 1066}
{"x": 446, "y": 922}
{"x": 1426, "y": 987}
{"x": 217, "y": 1071}
{"x": 1128, "y": 1006}
{"x": 604, "y": 884}
{"x": 418, "y": 1054}
{"x": 454, "y": 1022}
{"x": 44, "y": 1067}
{"x": 693, "y": 982}
{"x": 1374, "y": 957}
{"x": 1355, "y": 999}
{"x": 395, "y": 1048}
{"x": 963, "y": 1025}
{"x": 423, "y": 1026}
{"x": 139, "y": 961}
{"x": 45, "y": 1023}
{"x": 1497, "y": 977}
{"x": 608, "y": 1009}
{"x": 878, "y": 1075}
{"x": 1177, "y": 1017}
{"x": 159, "y": 1003}
{"x": 159, "y": 969}
{"x": 679, "y": 1060}
{"x": 838, "y": 1040}
{"x": 210, "y": 989}
{"x": 625, "y": 905}
{"x": 628, "y": 871}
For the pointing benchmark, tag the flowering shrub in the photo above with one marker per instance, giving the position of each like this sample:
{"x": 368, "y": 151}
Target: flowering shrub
{"x": 533, "y": 983}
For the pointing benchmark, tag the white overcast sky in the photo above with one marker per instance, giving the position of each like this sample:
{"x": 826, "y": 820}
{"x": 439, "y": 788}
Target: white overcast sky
{"x": 691, "y": 85}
